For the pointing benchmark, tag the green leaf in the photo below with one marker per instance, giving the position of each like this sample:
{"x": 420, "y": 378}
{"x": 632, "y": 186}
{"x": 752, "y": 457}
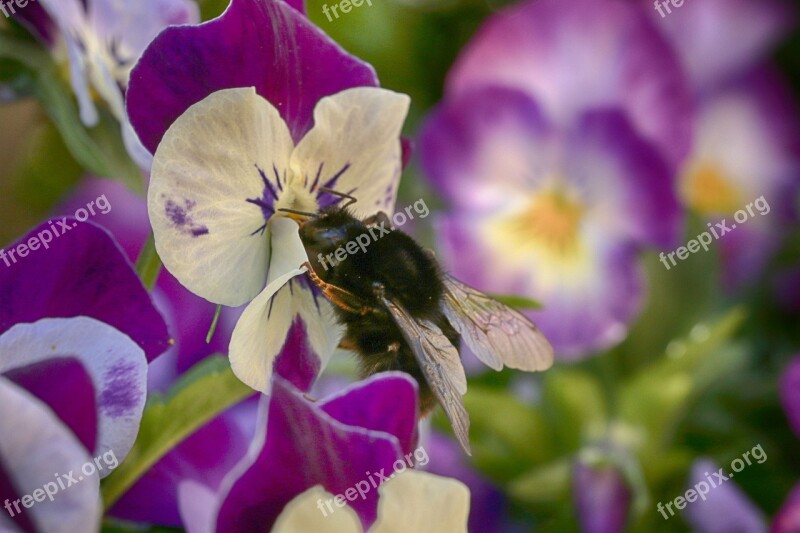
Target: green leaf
{"x": 517, "y": 302}
{"x": 505, "y": 433}
{"x": 148, "y": 264}
{"x": 656, "y": 397}
{"x": 574, "y": 403}
{"x": 101, "y": 150}
{"x": 543, "y": 484}
{"x": 200, "y": 395}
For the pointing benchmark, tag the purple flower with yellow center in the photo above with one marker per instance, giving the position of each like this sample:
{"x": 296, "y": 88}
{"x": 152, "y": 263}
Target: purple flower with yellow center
{"x": 557, "y": 155}
{"x": 100, "y": 42}
{"x": 557, "y": 215}
{"x": 76, "y": 331}
{"x": 245, "y": 127}
{"x": 746, "y": 149}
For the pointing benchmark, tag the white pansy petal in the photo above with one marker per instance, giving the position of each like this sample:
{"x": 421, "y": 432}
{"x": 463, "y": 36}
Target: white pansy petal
{"x": 35, "y": 447}
{"x": 214, "y": 179}
{"x": 288, "y": 252}
{"x": 303, "y": 514}
{"x": 439, "y": 504}
{"x": 283, "y": 318}
{"x": 354, "y": 147}
{"x": 259, "y": 335}
{"x": 115, "y": 364}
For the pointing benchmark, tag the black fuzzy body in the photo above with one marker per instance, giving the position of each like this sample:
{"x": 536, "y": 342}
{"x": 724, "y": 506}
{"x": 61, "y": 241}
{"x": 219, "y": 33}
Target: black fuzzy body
{"x": 408, "y": 275}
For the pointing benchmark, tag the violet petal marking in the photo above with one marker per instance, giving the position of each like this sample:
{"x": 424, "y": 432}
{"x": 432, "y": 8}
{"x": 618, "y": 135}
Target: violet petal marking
{"x": 266, "y": 202}
{"x": 179, "y": 215}
{"x": 297, "y": 361}
{"x": 120, "y": 395}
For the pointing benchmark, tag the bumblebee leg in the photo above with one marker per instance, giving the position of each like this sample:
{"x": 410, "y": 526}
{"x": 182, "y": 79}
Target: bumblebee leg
{"x": 339, "y": 296}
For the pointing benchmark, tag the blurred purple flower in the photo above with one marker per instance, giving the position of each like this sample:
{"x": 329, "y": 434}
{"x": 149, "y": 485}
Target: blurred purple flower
{"x": 602, "y": 497}
{"x": 746, "y": 151}
{"x": 724, "y": 509}
{"x": 747, "y": 135}
{"x": 575, "y": 55}
{"x": 789, "y": 389}
{"x": 554, "y": 213}
{"x": 716, "y": 40}
{"x": 103, "y": 40}
{"x": 787, "y": 519}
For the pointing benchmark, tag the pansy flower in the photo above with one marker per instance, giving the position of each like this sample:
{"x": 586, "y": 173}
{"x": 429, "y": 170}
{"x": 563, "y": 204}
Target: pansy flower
{"x": 554, "y": 189}
{"x": 229, "y": 105}
{"x": 744, "y": 166}
{"x": 76, "y": 331}
{"x": 221, "y": 176}
{"x": 101, "y": 40}
{"x": 551, "y": 213}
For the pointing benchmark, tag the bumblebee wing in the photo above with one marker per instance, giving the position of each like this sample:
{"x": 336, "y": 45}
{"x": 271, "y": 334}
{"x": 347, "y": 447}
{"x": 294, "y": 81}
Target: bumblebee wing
{"x": 496, "y": 333}
{"x": 441, "y": 365}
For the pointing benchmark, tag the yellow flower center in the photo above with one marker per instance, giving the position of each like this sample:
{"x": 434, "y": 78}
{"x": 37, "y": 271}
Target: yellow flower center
{"x": 552, "y": 221}
{"x": 706, "y": 190}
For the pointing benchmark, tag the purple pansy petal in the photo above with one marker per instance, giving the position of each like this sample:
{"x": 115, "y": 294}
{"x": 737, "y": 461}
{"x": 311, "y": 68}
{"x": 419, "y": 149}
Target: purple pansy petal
{"x": 787, "y": 520}
{"x": 481, "y": 147}
{"x": 556, "y": 49}
{"x": 244, "y": 47}
{"x": 117, "y": 367}
{"x": 588, "y": 302}
{"x": 66, "y": 387}
{"x": 29, "y": 459}
{"x": 716, "y": 39}
{"x": 602, "y": 498}
{"x": 303, "y": 447}
{"x": 367, "y": 405}
{"x": 82, "y": 273}
{"x": 725, "y": 508}
{"x": 789, "y": 389}
{"x": 357, "y": 130}
{"x": 38, "y": 21}
{"x": 212, "y": 191}
{"x": 198, "y": 464}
